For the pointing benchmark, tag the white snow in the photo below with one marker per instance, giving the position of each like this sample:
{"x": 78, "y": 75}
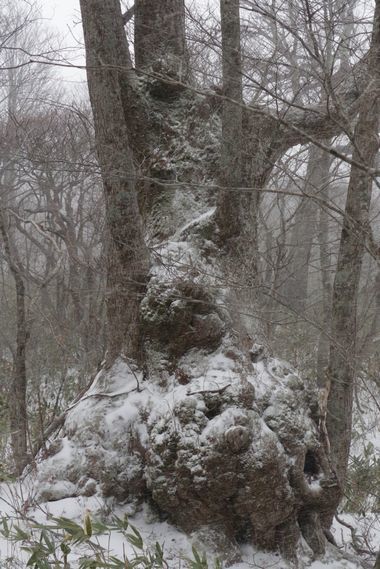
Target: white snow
{"x": 177, "y": 546}
{"x": 107, "y": 396}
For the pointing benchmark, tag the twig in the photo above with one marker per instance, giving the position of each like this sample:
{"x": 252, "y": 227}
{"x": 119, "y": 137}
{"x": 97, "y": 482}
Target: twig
{"x": 220, "y": 390}
{"x": 355, "y": 540}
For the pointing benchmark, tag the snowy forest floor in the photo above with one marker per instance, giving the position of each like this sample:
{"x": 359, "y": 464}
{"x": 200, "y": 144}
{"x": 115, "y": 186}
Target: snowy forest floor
{"x": 26, "y": 516}
{"x": 177, "y": 546}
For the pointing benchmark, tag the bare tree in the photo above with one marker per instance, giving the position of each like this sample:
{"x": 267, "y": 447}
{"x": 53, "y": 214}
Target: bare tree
{"x": 18, "y": 98}
{"x": 342, "y": 361}
{"x": 305, "y": 223}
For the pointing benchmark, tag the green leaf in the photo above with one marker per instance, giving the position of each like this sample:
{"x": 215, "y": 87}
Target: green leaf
{"x": 121, "y": 524}
{"x": 50, "y": 545}
{"x": 135, "y": 539}
{"x": 20, "y": 535}
{"x": 33, "y": 560}
{"x": 68, "y": 525}
{"x": 196, "y": 555}
{"x": 159, "y": 553}
{"x": 65, "y": 548}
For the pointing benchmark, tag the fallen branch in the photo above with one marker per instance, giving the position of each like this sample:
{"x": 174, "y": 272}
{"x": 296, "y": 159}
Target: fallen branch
{"x": 220, "y": 390}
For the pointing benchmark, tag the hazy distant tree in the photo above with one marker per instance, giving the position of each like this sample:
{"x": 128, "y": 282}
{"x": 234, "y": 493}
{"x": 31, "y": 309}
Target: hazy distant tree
{"x": 51, "y": 234}
{"x": 342, "y": 362}
{"x": 19, "y": 85}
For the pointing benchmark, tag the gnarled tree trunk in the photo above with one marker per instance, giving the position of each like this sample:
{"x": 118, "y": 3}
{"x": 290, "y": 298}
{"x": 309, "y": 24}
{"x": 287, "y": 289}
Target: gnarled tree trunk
{"x": 205, "y": 422}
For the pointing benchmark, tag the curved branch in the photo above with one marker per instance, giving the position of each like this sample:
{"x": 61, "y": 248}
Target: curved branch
{"x": 299, "y": 125}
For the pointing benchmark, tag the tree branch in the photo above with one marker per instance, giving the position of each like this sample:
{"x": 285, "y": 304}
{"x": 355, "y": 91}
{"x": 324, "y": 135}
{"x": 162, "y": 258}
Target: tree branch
{"x": 128, "y": 15}
{"x": 299, "y": 125}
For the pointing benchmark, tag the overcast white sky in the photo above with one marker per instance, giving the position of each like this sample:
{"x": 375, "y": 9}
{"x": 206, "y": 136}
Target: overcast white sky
{"x": 63, "y": 18}
{"x": 61, "y": 12}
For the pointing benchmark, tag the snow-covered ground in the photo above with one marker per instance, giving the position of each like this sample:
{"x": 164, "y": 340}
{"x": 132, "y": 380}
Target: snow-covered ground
{"x": 177, "y": 546}
{"x": 28, "y": 502}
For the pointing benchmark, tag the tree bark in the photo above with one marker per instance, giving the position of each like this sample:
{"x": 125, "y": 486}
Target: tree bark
{"x": 237, "y": 209}
{"x": 108, "y": 76}
{"x": 342, "y": 360}
{"x": 325, "y": 266}
{"x": 160, "y": 35}
{"x": 229, "y": 211}
{"x": 17, "y": 392}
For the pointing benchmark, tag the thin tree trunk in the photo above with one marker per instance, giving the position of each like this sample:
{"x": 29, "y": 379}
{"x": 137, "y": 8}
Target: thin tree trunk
{"x": 108, "y": 76}
{"x": 341, "y": 373}
{"x": 17, "y": 392}
{"x": 325, "y": 262}
{"x": 19, "y": 417}
{"x": 237, "y": 210}
{"x": 229, "y": 212}
{"x": 303, "y": 234}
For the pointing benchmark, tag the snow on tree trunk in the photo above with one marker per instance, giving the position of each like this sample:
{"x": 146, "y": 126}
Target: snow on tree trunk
{"x": 214, "y": 433}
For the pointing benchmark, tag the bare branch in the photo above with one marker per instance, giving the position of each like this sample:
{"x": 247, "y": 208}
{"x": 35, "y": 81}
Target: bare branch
{"x": 128, "y": 15}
